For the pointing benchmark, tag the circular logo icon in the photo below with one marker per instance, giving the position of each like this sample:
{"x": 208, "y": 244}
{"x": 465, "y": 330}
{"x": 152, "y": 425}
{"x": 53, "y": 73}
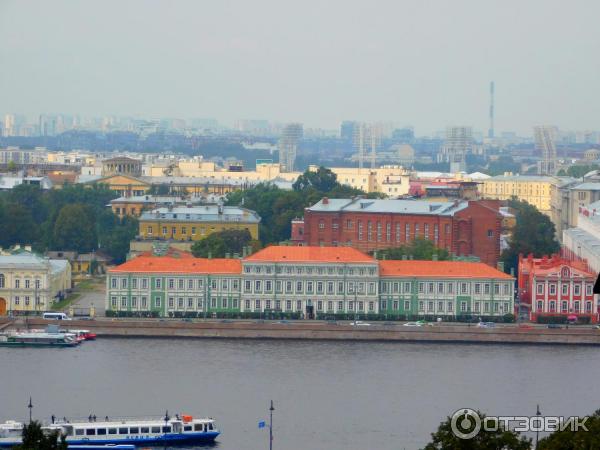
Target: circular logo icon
{"x": 465, "y": 423}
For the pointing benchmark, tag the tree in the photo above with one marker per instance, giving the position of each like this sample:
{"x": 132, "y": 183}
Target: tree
{"x": 444, "y": 438}
{"x": 323, "y": 180}
{"x": 533, "y": 233}
{"x": 34, "y": 438}
{"x": 421, "y": 249}
{"x": 75, "y": 229}
{"x": 16, "y": 225}
{"x": 115, "y": 234}
{"x": 11, "y": 167}
{"x": 575, "y": 440}
{"x": 503, "y": 164}
{"x": 579, "y": 171}
{"x": 218, "y": 244}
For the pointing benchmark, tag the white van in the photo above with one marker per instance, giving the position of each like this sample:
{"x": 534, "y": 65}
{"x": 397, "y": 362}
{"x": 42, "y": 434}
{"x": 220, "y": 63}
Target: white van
{"x": 55, "y": 316}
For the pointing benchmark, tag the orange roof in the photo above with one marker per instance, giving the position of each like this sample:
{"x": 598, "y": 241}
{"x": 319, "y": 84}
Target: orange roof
{"x": 168, "y": 264}
{"x": 443, "y": 269}
{"x": 282, "y": 253}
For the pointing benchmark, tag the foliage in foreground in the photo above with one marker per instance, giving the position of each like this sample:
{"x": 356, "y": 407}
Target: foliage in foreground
{"x": 34, "y": 438}
{"x": 218, "y": 244}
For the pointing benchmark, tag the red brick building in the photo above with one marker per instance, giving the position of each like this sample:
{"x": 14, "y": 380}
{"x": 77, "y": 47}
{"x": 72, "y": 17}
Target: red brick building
{"x": 554, "y": 286}
{"x": 464, "y": 228}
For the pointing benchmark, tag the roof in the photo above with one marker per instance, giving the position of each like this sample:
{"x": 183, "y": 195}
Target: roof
{"x": 169, "y": 264}
{"x": 152, "y": 199}
{"x": 32, "y": 261}
{"x": 206, "y": 213}
{"x": 282, "y": 253}
{"x": 388, "y": 206}
{"x": 524, "y": 178}
{"x": 120, "y": 159}
{"x": 586, "y": 186}
{"x": 440, "y": 269}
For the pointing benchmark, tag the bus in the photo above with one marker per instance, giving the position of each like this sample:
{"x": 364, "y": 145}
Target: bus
{"x": 55, "y": 316}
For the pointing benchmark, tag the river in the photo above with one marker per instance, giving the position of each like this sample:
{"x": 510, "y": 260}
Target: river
{"x": 328, "y": 395}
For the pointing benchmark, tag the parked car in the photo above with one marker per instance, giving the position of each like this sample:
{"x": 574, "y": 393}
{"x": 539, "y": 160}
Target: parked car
{"x": 486, "y": 324}
{"x": 554, "y": 325}
{"x": 413, "y": 324}
{"x": 360, "y": 323}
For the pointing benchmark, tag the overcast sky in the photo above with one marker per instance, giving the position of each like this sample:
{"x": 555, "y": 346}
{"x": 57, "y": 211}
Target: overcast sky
{"x": 424, "y": 63}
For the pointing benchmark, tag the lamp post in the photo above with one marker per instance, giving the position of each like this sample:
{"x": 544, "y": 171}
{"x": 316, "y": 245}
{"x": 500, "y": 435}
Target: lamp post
{"x": 271, "y": 409}
{"x": 30, "y": 406}
{"x": 537, "y": 432}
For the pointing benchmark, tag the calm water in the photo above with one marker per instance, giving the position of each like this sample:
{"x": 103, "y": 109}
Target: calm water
{"x": 351, "y": 396}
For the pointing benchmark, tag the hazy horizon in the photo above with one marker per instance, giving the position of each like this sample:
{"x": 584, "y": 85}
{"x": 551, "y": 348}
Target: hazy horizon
{"x": 422, "y": 63}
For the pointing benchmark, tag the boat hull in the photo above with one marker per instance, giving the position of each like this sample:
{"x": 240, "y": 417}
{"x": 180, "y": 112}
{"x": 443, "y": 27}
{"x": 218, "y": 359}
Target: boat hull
{"x": 38, "y": 344}
{"x": 162, "y": 440}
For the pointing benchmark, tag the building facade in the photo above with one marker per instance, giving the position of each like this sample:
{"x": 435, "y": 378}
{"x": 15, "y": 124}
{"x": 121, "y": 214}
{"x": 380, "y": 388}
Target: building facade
{"x": 535, "y": 190}
{"x": 557, "y": 289}
{"x": 307, "y": 282}
{"x": 30, "y": 283}
{"x": 192, "y": 223}
{"x": 464, "y": 228}
{"x": 569, "y": 199}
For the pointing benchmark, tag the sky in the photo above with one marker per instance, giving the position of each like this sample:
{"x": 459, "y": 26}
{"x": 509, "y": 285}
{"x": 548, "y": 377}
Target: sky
{"x": 414, "y": 62}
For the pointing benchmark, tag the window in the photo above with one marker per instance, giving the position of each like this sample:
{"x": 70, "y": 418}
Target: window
{"x": 588, "y": 307}
{"x": 552, "y": 306}
{"x": 540, "y": 306}
{"x": 134, "y": 302}
{"x": 171, "y": 283}
{"x": 464, "y": 288}
{"x": 180, "y": 284}
{"x": 407, "y": 232}
{"x": 397, "y": 232}
{"x": 158, "y": 283}
{"x": 288, "y": 305}
{"x": 157, "y": 302}
{"x": 539, "y": 288}
{"x": 330, "y": 289}
{"x": 378, "y": 231}
{"x": 477, "y": 288}
{"x": 564, "y": 289}
{"x": 144, "y": 283}
{"x": 113, "y": 283}
{"x": 441, "y": 306}
{"x": 257, "y": 304}
{"x": 340, "y": 306}
{"x": 490, "y": 233}
{"x": 476, "y": 307}
{"x": 190, "y": 284}
{"x": 369, "y": 231}
{"x": 360, "y": 230}
{"x": 299, "y": 305}
{"x": 321, "y": 224}
{"x": 123, "y": 302}
{"x": 577, "y": 289}
{"x": 247, "y": 304}
{"x": 588, "y": 289}
{"x": 553, "y": 289}
{"x": 463, "y": 306}
{"x": 576, "y": 306}
{"x": 406, "y": 305}
{"x": 113, "y": 302}
{"x": 123, "y": 283}
{"x": 171, "y": 302}
{"x": 144, "y": 302}
{"x": 450, "y": 306}
{"x": 299, "y": 286}
{"x": 319, "y": 287}
{"x": 421, "y": 305}
{"x": 440, "y": 288}
{"x": 349, "y": 224}
{"x": 268, "y": 286}
{"x": 426, "y": 231}
{"x": 37, "y": 283}
{"x": 565, "y": 307}
{"x": 247, "y": 286}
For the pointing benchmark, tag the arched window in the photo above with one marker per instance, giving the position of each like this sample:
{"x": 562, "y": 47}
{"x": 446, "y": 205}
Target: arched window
{"x": 1, "y": 280}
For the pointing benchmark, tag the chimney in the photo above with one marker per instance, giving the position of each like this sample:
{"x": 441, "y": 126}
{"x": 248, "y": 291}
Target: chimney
{"x": 227, "y": 255}
{"x": 501, "y": 266}
{"x": 325, "y": 201}
{"x": 434, "y": 257}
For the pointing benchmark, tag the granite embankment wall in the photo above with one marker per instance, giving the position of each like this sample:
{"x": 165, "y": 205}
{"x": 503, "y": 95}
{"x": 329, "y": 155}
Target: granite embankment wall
{"x": 325, "y": 331}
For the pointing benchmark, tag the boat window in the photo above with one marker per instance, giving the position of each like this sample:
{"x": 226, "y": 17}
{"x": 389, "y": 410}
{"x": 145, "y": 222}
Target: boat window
{"x": 155, "y": 429}
{"x": 90, "y": 432}
{"x": 101, "y": 431}
{"x": 134, "y": 430}
{"x": 166, "y": 429}
{"x": 145, "y": 430}
{"x": 198, "y": 427}
{"x": 112, "y": 431}
{"x": 123, "y": 431}
{"x": 210, "y": 426}
{"x": 79, "y": 432}
{"x": 187, "y": 428}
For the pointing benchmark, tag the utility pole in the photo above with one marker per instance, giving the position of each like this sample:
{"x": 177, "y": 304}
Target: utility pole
{"x": 30, "y": 406}
{"x": 537, "y": 433}
{"x": 271, "y": 409}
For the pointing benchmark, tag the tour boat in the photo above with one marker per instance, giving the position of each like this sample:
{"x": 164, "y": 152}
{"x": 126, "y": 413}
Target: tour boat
{"x": 38, "y": 339}
{"x": 82, "y": 335}
{"x": 184, "y": 430}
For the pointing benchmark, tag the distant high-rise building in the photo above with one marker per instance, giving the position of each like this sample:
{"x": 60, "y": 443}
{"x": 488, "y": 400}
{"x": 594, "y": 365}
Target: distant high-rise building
{"x": 545, "y": 144}
{"x": 347, "y": 130}
{"x": 491, "y": 129}
{"x": 10, "y": 125}
{"x": 288, "y": 145}
{"x": 458, "y": 143}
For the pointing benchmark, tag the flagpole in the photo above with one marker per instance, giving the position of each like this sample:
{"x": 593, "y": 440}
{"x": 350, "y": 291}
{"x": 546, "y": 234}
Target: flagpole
{"x": 271, "y": 409}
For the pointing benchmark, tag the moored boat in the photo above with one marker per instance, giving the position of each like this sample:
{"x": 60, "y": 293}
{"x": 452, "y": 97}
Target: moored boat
{"x": 184, "y": 430}
{"x": 37, "y": 339}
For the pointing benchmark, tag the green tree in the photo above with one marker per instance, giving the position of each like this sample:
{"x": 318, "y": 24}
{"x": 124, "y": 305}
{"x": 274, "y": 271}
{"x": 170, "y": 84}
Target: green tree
{"x": 503, "y": 164}
{"x": 218, "y": 244}
{"x": 444, "y": 439}
{"x": 11, "y": 167}
{"x": 115, "y": 234}
{"x": 159, "y": 189}
{"x": 421, "y": 249}
{"x": 16, "y": 225}
{"x": 533, "y": 233}
{"x": 575, "y": 440}
{"x": 75, "y": 229}
{"x": 323, "y": 180}
{"x": 34, "y": 438}
{"x": 580, "y": 170}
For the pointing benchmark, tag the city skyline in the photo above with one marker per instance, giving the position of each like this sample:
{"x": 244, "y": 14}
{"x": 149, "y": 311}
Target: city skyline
{"x": 430, "y": 69}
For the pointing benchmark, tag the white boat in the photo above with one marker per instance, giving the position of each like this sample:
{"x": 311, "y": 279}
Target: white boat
{"x": 178, "y": 430}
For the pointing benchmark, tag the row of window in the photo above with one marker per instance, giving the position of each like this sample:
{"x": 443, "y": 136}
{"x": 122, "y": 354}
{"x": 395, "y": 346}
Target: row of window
{"x": 17, "y": 282}
{"x": 182, "y": 303}
{"x": 397, "y": 287}
{"x": 320, "y": 305}
{"x": 175, "y": 283}
{"x": 299, "y": 270}
{"x": 310, "y": 287}
{"x": 183, "y": 230}
{"x": 564, "y": 288}
{"x": 139, "y": 430}
{"x": 564, "y": 307}
{"x": 26, "y": 300}
{"x": 392, "y": 231}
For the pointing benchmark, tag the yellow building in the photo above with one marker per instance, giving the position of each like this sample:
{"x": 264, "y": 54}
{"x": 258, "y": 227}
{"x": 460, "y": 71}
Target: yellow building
{"x": 195, "y": 223}
{"x": 390, "y": 180}
{"x": 31, "y": 283}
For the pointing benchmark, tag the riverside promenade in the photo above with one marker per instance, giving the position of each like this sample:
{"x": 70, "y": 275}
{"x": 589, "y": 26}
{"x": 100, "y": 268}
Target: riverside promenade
{"x": 315, "y": 330}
